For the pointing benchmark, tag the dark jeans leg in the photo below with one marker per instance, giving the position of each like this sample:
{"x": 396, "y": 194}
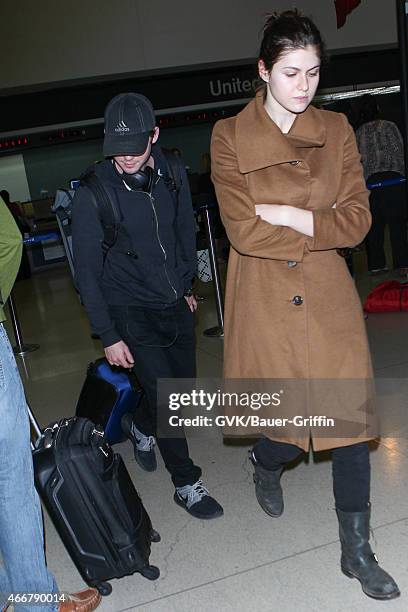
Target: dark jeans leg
{"x": 396, "y": 211}
{"x": 274, "y": 455}
{"x": 182, "y": 360}
{"x": 375, "y": 238}
{"x": 351, "y": 477}
{"x": 153, "y": 362}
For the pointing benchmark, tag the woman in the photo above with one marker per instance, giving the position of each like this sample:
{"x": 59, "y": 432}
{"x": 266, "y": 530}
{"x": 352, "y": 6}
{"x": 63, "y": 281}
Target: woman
{"x": 382, "y": 155}
{"x": 289, "y": 183}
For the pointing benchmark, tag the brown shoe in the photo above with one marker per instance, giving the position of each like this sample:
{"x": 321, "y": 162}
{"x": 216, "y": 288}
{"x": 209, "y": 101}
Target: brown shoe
{"x": 84, "y": 601}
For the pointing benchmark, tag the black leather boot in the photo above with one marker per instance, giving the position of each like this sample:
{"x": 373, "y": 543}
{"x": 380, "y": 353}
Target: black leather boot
{"x": 267, "y": 488}
{"x": 357, "y": 558}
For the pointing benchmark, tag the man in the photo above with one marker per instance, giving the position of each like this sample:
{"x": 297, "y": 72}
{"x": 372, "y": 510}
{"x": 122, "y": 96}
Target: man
{"x": 138, "y": 292}
{"x": 21, "y": 530}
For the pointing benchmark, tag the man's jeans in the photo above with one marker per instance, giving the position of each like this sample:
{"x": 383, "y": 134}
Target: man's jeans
{"x": 21, "y": 528}
{"x": 162, "y": 343}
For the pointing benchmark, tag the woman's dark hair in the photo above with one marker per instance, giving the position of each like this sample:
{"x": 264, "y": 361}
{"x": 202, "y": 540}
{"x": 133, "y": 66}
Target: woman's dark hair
{"x": 288, "y": 31}
{"x": 369, "y": 109}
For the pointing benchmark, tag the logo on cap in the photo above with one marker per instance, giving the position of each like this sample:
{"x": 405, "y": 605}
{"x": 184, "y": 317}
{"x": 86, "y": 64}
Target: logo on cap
{"x": 121, "y": 127}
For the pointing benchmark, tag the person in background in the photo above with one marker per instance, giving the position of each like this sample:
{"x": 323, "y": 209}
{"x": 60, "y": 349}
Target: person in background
{"x": 207, "y": 196}
{"x": 382, "y": 155}
{"x": 21, "y": 528}
{"x": 24, "y": 270}
{"x": 291, "y": 191}
{"x": 205, "y": 184}
{"x": 12, "y": 206}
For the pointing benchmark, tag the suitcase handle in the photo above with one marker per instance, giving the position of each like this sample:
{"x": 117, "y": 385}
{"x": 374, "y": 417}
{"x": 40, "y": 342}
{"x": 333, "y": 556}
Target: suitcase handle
{"x": 35, "y": 426}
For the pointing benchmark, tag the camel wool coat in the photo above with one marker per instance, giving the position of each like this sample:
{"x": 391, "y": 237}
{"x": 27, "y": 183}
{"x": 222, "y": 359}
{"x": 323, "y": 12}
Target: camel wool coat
{"x": 292, "y": 313}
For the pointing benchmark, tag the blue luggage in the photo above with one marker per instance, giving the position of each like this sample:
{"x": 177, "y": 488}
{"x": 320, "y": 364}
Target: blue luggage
{"x": 109, "y": 393}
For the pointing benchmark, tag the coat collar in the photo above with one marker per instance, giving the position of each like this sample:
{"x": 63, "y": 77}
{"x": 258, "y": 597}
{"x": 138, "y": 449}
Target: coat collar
{"x": 260, "y": 143}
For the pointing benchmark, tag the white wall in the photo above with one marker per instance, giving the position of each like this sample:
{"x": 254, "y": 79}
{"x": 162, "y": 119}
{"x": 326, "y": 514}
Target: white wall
{"x": 53, "y": 40}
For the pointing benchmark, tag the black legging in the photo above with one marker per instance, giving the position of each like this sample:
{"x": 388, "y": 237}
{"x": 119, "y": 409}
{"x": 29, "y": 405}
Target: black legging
{"x": 350, "y": 468}
{"x": 388, "y": 207}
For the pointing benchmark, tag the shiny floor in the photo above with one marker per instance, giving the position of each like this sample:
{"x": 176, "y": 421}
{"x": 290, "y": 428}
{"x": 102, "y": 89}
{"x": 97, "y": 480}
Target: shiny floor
{"x": 244, "y": 560}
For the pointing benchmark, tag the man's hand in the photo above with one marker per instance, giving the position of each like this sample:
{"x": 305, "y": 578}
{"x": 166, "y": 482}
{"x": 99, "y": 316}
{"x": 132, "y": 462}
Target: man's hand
{"x": 191, "y": 301}
{"x": 118, "y": 354}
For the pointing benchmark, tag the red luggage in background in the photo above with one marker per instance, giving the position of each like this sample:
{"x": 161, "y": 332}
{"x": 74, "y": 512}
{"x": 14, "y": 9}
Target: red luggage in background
{"x": 389, "y": 296}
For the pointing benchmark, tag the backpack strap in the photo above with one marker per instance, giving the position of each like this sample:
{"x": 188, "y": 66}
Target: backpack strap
{"x": 107, "y": 209}
{"x": 173, "y": 180}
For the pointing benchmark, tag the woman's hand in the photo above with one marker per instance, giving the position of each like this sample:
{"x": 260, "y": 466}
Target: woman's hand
{"x": 275, "y": 214}
{"x": 288, "y": 216}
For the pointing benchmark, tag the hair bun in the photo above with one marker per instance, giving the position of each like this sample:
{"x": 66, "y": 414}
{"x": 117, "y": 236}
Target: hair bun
{"x": 272, "y": 18}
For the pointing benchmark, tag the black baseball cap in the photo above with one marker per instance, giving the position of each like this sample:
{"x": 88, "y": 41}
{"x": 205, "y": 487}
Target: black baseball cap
{"x": 129, "y": 121}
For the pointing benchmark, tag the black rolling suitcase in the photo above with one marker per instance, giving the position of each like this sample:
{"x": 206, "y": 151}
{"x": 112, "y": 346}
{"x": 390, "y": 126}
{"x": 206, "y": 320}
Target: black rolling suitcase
{"x": 93, "y": 503}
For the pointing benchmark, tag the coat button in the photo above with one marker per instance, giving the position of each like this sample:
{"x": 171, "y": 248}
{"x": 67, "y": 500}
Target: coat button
{"x": 297, "y": 300}
{"x": 292, "y": 264}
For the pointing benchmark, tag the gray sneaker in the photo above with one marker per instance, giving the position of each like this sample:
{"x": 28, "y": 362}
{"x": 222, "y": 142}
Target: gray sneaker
{"x": 143, "y": 445}
{"x": 197, "y": 501}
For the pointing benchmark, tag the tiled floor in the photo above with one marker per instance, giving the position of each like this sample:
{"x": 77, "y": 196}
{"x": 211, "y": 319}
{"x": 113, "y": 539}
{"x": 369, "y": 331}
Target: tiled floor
{"x": 244, "y": 560}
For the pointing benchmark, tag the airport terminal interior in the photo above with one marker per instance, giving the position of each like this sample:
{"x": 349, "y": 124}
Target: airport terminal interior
{"x": 244, "y": 560}
{"x": 52, "y": 97}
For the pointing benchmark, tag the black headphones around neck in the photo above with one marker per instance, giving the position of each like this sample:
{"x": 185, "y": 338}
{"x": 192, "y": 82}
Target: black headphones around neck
{"x": 142, "y": 180}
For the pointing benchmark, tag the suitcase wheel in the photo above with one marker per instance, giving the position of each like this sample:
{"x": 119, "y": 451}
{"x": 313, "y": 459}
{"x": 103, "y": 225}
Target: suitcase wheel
{"x": 154, "y": 536}
{"x": 104, "y": 588}
{"x": 151, "y": 572}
